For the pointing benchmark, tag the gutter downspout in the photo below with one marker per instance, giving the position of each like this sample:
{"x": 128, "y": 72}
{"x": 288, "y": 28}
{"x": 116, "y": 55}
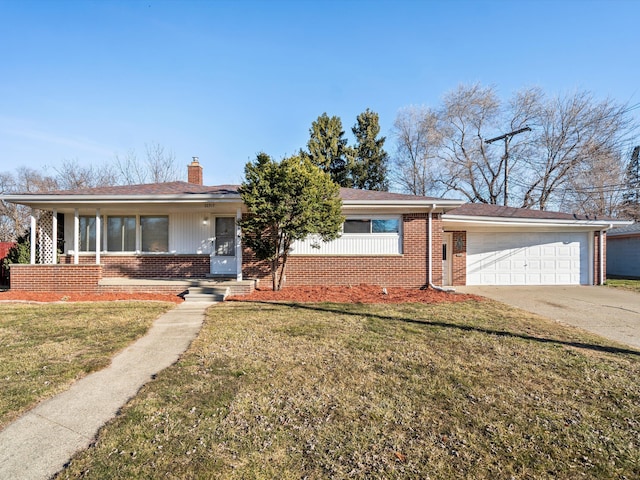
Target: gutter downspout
{"x": 601, "y": 254}
{"x": 430, "y": 251}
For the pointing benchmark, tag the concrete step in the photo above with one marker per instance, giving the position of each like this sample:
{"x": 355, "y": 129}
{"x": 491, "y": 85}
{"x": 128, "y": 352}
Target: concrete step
{"x": 206, "y": 294}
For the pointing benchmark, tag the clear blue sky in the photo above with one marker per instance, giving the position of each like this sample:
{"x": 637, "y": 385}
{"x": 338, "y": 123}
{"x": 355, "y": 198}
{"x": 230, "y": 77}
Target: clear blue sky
{"x": 223, "y": 80}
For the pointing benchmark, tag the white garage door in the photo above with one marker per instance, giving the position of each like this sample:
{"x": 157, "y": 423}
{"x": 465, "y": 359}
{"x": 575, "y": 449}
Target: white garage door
{"x": 539, "y": 258}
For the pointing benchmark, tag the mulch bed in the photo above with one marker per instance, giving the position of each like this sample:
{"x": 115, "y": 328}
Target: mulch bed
{"x": 85, "y": 297}
{"x": 310, "y": 294}
{"x": 354, "y": 294}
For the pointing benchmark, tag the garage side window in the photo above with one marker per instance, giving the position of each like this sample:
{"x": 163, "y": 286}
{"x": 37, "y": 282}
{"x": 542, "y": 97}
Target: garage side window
{"x": 154, "y": 231}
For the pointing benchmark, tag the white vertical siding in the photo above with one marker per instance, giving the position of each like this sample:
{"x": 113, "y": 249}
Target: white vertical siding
{"x": 188, "y": 234}
{"x": 352, "y": 244}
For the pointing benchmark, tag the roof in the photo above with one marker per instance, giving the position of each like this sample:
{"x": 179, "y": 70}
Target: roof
{"x": 628, "y": 230}
{"x": 497, "y": 211}
{"x": 371, "y": 195}
{"x": 168, "y": 188}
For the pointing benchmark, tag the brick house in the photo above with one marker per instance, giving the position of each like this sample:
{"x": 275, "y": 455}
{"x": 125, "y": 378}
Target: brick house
{"x": 145, "y": 234}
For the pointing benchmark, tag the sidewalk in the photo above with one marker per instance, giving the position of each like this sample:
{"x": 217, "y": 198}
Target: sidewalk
{"x": 38, "y": 444}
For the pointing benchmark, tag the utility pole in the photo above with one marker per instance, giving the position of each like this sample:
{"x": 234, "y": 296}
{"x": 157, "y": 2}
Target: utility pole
{"x": 507, "y": 137}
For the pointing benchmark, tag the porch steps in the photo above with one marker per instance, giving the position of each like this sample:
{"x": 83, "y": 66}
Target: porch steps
{"x": 187, "y": 287}
{"x": 207, "y": 294}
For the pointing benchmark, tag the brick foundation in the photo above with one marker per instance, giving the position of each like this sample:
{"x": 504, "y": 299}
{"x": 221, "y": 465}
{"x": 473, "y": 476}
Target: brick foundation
{"x": 55, "y": 278}
{"x": 148, "y": 266}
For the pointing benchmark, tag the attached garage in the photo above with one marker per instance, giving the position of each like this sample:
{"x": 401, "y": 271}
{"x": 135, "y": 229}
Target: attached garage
{"x": 527, "y": 258}
{"x": 499, "y": 245}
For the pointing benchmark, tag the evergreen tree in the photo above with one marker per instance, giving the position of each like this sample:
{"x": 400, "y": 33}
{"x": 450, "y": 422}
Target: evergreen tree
{"x": 328, "y": 148}
{"x": 287, "y": 201}
{"x": 631, "y": 197}
{"x": 368, "y": 166}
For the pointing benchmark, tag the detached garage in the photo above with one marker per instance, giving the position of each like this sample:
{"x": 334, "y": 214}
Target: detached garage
{"x": 494, "y": 245}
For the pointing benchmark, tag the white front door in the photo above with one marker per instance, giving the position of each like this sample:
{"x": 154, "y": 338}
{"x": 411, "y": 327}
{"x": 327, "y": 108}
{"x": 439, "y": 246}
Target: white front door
{"x": 223, "y": 251}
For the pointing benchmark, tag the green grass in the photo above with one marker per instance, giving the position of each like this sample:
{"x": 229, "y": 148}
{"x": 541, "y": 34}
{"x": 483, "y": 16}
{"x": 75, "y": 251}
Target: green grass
{"x": 471, "y": 391}
{"x": 45, "y": 347}
{"x": 627, "y": 284}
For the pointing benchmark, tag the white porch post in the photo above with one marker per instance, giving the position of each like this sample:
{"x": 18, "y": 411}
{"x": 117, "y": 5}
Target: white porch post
{"x": 98, "y": 234}
{"x": 76, "y": 236}
{"x": 238, "y": 246}
{"x": 32, "y": 260}
{"x": 54, "y": 236}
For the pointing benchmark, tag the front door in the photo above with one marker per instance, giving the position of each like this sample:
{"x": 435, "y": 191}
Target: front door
{"x": 223, "y": 251}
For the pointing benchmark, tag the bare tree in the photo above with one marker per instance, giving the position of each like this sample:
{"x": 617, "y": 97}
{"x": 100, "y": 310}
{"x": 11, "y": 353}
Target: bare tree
{"x": 572, "y": 131}
{"x": 72, "y": 176}
{"x": 14, "y": 219}
{"x": 418, "y": 139}
{"x": 160, "y": 166}
{"x": 594, "y": 186}
{"x": 567, "y": 160}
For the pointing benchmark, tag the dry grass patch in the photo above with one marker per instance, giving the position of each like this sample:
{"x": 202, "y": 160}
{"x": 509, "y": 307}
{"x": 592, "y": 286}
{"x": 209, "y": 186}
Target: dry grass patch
{"x": 45, "y": 347}
{"x": 626, "y": 284}
{"x": 472, "y": 390}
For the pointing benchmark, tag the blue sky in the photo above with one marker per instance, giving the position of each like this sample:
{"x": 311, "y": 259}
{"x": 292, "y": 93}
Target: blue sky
{"x": 223, "y": 80}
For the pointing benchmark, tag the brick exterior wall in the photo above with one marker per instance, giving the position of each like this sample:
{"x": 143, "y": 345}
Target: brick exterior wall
{"x": 148, "y": 266}
{"x": 459, "y": 259}
{"x": 596, "y": 257}
{"x": 407, "y": 270}
{"x": 55, "y": 278}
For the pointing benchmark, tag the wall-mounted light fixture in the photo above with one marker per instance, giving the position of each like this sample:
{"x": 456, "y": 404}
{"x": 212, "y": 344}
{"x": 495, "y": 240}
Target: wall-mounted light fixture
{"x": 205, "y": 221}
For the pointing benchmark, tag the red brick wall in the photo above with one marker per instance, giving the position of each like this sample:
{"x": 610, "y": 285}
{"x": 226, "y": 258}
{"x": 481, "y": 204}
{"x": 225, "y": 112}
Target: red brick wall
{"x": 407, "y": 270}
{"x": 148, "y": 266}
{"x": 459, "y": 259}
{"x": 55, "y": 278}
{"x": 596, "y": 257}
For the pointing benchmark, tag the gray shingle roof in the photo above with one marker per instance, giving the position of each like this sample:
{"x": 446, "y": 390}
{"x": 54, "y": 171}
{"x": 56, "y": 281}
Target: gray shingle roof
{"x": 633, "y": 229}
{"x": 485, "y": 210}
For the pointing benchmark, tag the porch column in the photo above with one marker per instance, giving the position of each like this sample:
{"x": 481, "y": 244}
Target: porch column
{"x": 32, "y": 260}
{"x": 76, "y": 236}
{"x": 238, "y": 245}
{"x": 54, "y": 236}
{"x": 98, "y": 234}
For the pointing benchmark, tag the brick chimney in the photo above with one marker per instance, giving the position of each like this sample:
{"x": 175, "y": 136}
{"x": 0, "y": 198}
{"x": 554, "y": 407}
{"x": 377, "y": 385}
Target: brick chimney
{"x": 194, "y": 172}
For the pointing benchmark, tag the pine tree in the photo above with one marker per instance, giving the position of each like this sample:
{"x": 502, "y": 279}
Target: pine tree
{"x": 328, "y": 148}
{"x": 369, "y": 164}
{"x": 287, "y": 201}
{"x": 631, "y": 197}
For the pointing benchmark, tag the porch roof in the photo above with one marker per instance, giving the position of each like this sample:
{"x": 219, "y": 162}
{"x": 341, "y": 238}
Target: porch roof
{"x": 188, "y": 193}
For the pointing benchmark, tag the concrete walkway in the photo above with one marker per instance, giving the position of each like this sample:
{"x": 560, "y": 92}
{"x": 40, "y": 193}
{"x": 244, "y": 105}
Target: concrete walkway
{"x": 41, "y": 442}
{"x": 613, "y": 313}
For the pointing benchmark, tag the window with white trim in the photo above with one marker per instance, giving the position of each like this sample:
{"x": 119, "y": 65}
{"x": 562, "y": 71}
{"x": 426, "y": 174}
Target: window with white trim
{"x": 376, "y": 225}
{"x": 87, "y": 232}
{"x": 121, "y": 234}
{"x": 154, "y": 233}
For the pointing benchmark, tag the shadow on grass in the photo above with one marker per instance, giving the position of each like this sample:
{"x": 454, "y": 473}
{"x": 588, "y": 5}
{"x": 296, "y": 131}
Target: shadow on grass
{"x": 466, "y": 328}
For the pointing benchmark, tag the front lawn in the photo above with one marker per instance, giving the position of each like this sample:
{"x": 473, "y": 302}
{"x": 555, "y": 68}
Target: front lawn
{"x": 472, "y": 390}
{"x": 46, "y": 347}
{"x": 633, "y": 285}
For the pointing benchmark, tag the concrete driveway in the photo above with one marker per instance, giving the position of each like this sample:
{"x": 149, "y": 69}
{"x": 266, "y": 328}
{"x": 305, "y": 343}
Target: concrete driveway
{"x": 611, "y": 312}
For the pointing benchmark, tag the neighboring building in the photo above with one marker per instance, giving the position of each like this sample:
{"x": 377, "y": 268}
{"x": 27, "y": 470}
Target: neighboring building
{"x": 185, "y": 230}
{"x": 623, "y": 251}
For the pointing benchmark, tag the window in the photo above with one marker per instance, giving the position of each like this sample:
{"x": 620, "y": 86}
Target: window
{"x": 121, "y": 234}
{"x": 390, "y": 225}
{"x": 154, "y": 233}
{"x": 87, "y": 234}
